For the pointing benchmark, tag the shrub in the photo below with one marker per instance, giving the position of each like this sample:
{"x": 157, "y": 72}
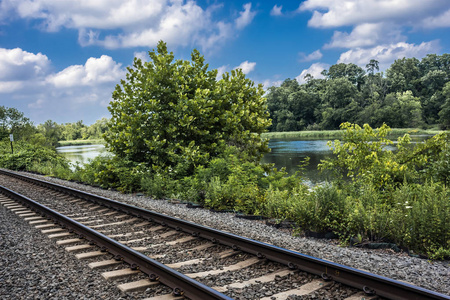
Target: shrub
{"x": 36, "y": 158}
{"x": 421, "y": 217}
{"x": 111, "y": 172}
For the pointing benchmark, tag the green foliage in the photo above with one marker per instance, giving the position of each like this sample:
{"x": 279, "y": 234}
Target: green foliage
{"x": 174, "y": 112}
{"x": 421, "y": 217}
{"x": 55, "y": 133}
{"x": 411, "y": 94}
{"x": 111, "y": 172}
{"x": 29, "y": 157}
{"x": 364, "y": 156}
{"x": 14, "y": 121}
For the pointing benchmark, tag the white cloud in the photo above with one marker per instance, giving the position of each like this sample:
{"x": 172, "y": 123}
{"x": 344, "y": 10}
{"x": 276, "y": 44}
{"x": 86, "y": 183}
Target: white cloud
{"x": 37, "y": 104}
{"x": 245, "y": 17}
{"x": 276, "y": 10}
{"x": 246, "y": 66}
{"x": 378, "y": 27}
{"x": 222, "y": 32}
{"x": 315, "y": 70}
{"x": 365, "y": 35}
{"x": 28, "y": 83}
{"x": 131, "y": 23}
{"x": 442, "y": 20}
{"x": 18, "y": 67}
{"x": 312, "y": 56}
{"x": 331, "y": 13}
{"x": 142, "y": 55}
{"x": 96, "y": 71}
{"x": 268, "y": 83}
{"x": 386, "y": 54}
{"x": 10, "y": 86}
{"x": 220, "y": 71}
{"x": 100, "y": 14}
{"x": 16, "y": 64}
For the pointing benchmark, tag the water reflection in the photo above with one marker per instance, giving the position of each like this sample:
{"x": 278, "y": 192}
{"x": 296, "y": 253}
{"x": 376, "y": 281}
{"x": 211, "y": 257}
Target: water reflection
{"x": 287, "y": 153}
{"x": 290, "y": 153}
{"x": 81, "y": 154}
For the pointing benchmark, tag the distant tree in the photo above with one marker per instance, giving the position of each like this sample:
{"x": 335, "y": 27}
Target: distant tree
{"x": 14, "y": 121}
{"x": 372, "y": 66}
{"x": 73, "y": 131}
{"x": 175, "y": 115}
{"x": 404, "y": 75}
{"x": 352, "y": 72}
{"x": 98, "y": 129}
{"x": 51, "y": 131}
{"x": 444, "y": 113}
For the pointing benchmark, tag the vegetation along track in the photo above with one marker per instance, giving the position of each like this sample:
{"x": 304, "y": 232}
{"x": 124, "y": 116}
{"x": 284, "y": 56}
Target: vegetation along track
{"x": 189, "y": 260}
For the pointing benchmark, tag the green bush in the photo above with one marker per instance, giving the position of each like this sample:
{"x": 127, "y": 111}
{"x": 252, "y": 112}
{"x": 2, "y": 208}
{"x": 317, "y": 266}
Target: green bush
{"x": 111, "y": 172}
{"x": 159, "y": 185}
{"x": 285, "y": 204}
{"x": 421, "y": 218}
{"x": 35, "y": 158}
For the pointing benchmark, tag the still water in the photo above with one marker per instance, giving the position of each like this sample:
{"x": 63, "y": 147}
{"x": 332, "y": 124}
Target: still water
{"x": 81, "y": 154}
{"x": 285, "y": 153}
{"x": 289, "y": 153}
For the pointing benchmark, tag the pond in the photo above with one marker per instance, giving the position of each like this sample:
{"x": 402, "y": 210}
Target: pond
{"x": 82, "y": 153}
{"x": 287, "y": 153}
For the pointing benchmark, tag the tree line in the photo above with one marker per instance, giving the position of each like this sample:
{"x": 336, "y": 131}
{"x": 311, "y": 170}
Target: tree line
{"x": 411, "y": 93}
{"x": 12, "y": 121}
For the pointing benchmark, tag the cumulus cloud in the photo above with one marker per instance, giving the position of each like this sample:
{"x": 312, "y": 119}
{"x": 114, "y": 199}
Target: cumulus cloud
{"x": 131, "y": 23}
{"x": 331, "y": 13}
{"x": 312, "y": 56}
{"x": 245, "y": 17}
{"x": 246, "y": 66}
{"x": 386, "y": 54}
{"x": 268, "y": 83}
{"x": 220, "y": 71}
{"x": 315, "y": 70}
{"x": 377, "y": 26}
{"x": 366, "y": 34}
{"x": 442, "y": 20}
{"x": 96, "y": 71}
{"x": 276, "y": 10}
{"x": 39, "y": 103}
{"x": 18, "y": 66}
{"x": 29, "y": 82}
{"x": 142, "y": 55}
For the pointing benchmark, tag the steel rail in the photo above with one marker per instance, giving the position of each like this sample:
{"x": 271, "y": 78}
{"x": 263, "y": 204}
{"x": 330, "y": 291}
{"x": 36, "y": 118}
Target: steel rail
{"x": 370, "y": 283}
{"x": 181, "y": 284}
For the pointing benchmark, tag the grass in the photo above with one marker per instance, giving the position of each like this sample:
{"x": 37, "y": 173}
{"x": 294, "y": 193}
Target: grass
{"x": 303, "y": 134}
{"x": 336, "y": 134}
{"x": 81, "y": 142}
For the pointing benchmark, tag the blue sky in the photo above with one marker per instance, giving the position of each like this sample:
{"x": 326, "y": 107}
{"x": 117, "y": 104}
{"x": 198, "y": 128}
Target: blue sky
{"x": 61, "y": 59}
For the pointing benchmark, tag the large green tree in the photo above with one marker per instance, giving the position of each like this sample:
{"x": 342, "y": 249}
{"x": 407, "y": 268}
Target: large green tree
{"x": 170, "y": 113}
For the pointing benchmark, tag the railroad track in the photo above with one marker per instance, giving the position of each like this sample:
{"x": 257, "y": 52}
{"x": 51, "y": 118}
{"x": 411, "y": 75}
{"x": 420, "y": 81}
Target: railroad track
{"x": 140, "y": 249}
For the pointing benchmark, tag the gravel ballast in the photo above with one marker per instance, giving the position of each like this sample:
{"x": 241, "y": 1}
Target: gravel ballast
{"x": 34, "y": 267}
{"x": 16, "y": 235}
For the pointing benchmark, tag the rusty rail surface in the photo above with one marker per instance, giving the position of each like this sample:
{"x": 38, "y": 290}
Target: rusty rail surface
{"x": 371, "y": 284}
